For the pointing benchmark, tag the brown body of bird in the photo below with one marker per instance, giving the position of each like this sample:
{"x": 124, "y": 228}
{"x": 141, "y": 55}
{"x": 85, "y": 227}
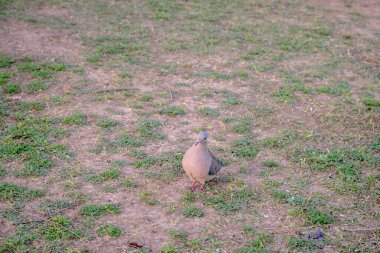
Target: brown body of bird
{"x": 199, "y": 163}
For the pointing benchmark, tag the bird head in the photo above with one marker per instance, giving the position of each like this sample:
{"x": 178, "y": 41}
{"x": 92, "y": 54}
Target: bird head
{"x": 202, "y": 138}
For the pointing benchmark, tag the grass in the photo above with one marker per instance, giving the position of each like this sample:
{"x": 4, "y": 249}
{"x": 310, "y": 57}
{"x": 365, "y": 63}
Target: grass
{"x": 101, "y": 177}
{"x": 107, "y": 123}
{"x": 93, "y": 210}
{"x": 192, "y": 212}
{"x": 36, "y": 86}
{"x": 207, "y": 111}
{"x": 112, "y": 231}
{"x": 271, "y": 164}
{"x": 12, "y": 88}
{"x": 76, "y": 119}
{"x": 3, "y": 78}
{"x": 148, "y": 198}
{"x": 371, "y": 102}
{"x": 51, "y": 207}
{"x": 287, "y": 92}
{"x": 13, "y": 192}
{"x": 60, "y": 227}
{"x": 149, "y": 129}
{"x": 244, "y": 149}
{"x": 172, "y": 111}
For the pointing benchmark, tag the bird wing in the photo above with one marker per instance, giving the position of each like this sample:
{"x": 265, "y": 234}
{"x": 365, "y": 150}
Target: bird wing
{"x": 216, "y": 164}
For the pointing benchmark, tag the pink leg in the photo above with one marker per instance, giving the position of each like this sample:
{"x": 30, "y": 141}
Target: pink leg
{"x": 193, "y": 186}
{"x": 202, "y": 188}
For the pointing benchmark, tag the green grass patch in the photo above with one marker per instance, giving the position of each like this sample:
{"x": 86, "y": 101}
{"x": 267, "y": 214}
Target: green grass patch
{"x": 60, "y": 227}
{"x": 306, "y": 245}
{"x": 12, "y": 88}
{"x": 36, "y": 86}
{"x": 271, "y": 164}
{"x": 94, "y": 210}
{"x": 101, "y": 177}
{"x": 318, "y": 159}
{"x": 148, "y": 129}
{"x": 244, "y": 148}
{"x": 148, "y": 198}
{"x": 207, "y": 111}
{"x": 76, "y": 118}
{"x": 342, "y": 88}
{"x": 172, "y": 111}
{"x": 316, "y": 217}
{"x": 178, "y": 235}
{"x": 30, "y": 106}
{"x": 192, "y": 212}
{"x": 51, "y": 207}
{"x": 6, "y": 62}
{"x": 14, "y": 192}
{"x": 112, "y": 231}
{"x": 107, "y": 123}
{"x": 371, "y": 102}
{"x": 19, "y": 241}
{"x": 3, "y": 78}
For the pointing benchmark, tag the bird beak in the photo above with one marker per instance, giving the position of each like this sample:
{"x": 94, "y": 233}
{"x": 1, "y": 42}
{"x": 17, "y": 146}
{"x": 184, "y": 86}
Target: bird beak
{"x": 197, "y": 142}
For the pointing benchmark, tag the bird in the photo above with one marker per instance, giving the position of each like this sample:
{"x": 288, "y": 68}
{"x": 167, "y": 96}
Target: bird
{"x": 199, "y": 163}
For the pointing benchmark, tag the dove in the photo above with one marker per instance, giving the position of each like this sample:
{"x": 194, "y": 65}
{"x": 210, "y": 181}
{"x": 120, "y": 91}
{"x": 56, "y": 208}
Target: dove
{"x": 199, "y": 163}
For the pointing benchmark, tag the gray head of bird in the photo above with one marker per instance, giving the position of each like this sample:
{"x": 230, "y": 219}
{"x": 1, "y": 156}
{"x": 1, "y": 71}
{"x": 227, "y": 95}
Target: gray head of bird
{"x": 202, "y": 138}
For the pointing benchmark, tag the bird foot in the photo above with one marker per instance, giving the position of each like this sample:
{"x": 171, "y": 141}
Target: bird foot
{"x": 202, "y": 188}
{"x": 193, "y": 186}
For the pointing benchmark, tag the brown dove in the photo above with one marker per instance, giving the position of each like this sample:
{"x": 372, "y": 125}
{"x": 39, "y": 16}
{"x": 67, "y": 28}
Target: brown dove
{"x": 199, "y": 163}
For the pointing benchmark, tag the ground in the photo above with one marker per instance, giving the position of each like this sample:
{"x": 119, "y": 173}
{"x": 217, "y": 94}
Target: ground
{"x": 100, "y": 99}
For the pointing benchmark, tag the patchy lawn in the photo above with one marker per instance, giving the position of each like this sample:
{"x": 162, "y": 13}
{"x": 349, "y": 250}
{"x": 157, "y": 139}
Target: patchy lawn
{"x": 100, "y": 99}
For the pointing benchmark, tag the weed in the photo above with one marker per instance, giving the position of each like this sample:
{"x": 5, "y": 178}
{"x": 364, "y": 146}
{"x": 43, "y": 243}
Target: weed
{"x": 6, "y": 62}
{"x": 244, "y": 148}
{"x": 178, "y": 235}
{"x": 128, "y": 182}
{"x": 112, "y": 231}
{"x": 316, "y": 217}
{"x": 51, "y": 207}
{"x": 342, "y": 88}
{"x": 12, "y": 88}
{"x": 148, "y": 129}
{"x": 192, "y": 212}
{"x": 107, "y": 123}
{"x": 94, "y": 210}
{"x": 305, "y": 244}
{"x": 147, "y": 198}
{"x": 14, "y": 192}
{"x": 244, "y": 127}
{"x": 18, "y": 242}
{"x": 169, "y": 249}
{"x": 3, "y": 78}
{"x": 60, "y": 227}
{"x": 371, "y": 102}
{"x": 207, "y": 111}
{"x": 31, "y": 106}
{"x": 76, "y": 118}
{"x": 317, "y": 159}
{"x": 271, "y": 164}
{"x": 127, "y": 140}
{"x": 36, "y": 86}
{"x": 93, "y": 58}
{"x": 172, "y": 110}
{"x": 101, "y": 177}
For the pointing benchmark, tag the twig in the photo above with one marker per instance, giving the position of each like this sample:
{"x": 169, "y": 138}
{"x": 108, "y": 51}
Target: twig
{"x": 171, "y": 95}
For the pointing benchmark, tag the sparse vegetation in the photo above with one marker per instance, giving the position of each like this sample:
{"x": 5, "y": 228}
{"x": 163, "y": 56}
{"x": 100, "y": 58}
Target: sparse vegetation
{"x": 99, "y": 100}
